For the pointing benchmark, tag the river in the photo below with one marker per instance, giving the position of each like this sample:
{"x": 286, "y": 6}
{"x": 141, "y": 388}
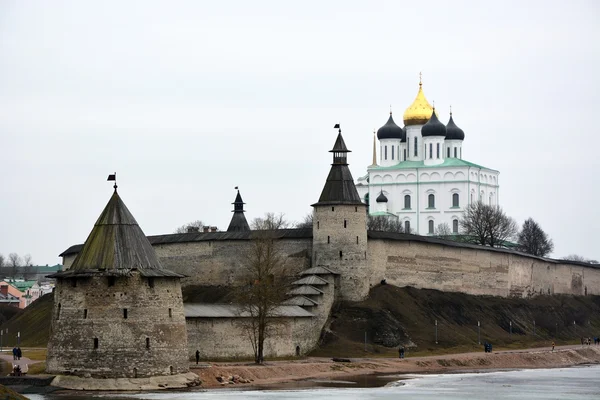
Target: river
{"x": 577, "y": 383}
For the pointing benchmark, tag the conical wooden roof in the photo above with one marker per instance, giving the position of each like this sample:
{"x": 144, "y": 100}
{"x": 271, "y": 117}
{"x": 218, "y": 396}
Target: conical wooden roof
{"x": 116, "y": 246}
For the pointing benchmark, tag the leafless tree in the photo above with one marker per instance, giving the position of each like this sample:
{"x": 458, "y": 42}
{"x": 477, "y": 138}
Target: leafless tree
{"x": 577, "y": 257}
{"x": 27, "y": 270}
{"x": 384, "y": 224}
{"x": 269, "y": 222}
{"x": 307, "y": 222}
{"x": 194, "y": 224}
{"x": 14, "y": 262}
{"x": 266, "y": 284}
{"x": 487, "y": 225}
{"x": 533, "y": 240}
{"x": 443, "y": 230}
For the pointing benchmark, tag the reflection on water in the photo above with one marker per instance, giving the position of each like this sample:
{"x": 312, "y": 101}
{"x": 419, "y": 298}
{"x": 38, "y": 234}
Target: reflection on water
{"x": 579, "y": 383}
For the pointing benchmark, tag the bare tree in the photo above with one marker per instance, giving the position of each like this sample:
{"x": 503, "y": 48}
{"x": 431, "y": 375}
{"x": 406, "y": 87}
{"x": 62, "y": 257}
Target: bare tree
{"x": 307, "y": 222}
{"x": 533, "y": 240}
{"x": 267, "y": 282}
{"x": 1, "y": 261}
{"x": 185, "y": 227}
{"x": 384, "y": 224}
{"x": 269, "y": 222}
{"x": 27, "y": 269}
{"x": 487, "y": 225}
{"x": 14, "y": 262}
{"x": 443, "y": 230}
{"x": 577, "y": 257}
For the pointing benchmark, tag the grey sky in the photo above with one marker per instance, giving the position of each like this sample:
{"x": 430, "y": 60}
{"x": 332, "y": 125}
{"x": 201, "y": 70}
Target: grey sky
{"x": 187, "y": 99}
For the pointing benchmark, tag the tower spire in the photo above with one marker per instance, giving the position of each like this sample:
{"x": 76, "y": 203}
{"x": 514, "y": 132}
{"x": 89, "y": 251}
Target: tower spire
{"x": 374, "y": 151}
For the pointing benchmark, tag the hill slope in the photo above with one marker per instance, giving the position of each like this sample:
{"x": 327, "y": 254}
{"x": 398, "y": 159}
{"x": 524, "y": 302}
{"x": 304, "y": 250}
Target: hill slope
{"x": 33, "y": 322}
{"x": 393, "y": 316}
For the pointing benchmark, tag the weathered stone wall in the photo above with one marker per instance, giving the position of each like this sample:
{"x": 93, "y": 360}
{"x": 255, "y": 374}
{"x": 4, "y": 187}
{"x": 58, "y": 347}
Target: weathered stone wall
{"x": 223, "y": 338}
{"x": 94, "y": 309}
{"x": 475, "y": 270}
{"x": 340, "y": 243}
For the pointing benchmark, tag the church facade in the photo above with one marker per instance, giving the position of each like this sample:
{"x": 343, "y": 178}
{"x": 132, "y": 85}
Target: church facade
{"x": 421, "y": 177}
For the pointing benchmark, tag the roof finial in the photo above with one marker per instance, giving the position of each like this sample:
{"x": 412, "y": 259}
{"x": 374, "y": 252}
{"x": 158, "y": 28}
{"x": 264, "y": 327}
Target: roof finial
{"x": 420, "y": 79}
{"x": 337, "y": 126}
{"x": 390, "y": 109}
{"x": 450, "y": 109}
{"x": 433, "y": 105}
{"x": 113, "y": 177}
{"x": 374, "y": 151}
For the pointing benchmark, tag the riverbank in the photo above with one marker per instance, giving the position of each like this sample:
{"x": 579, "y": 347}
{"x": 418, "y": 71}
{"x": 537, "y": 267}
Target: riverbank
{"x": 216, "y": 375}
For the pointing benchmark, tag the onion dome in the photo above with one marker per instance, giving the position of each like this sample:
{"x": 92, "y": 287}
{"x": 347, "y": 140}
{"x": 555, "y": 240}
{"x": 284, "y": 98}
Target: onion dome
{"x": 453, "y": 132}
{"x": 433, "y": 127}
{"x": 390, "y": 130}
{"x": 403, "y": 140}
{"x": 419, "y": 111}
{"x": 381, "y": 198}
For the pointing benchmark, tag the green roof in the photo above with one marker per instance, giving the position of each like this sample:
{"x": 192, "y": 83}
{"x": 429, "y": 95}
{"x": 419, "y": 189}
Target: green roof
{"x": 448, "y": 162}
{"x": 22, "y": 286}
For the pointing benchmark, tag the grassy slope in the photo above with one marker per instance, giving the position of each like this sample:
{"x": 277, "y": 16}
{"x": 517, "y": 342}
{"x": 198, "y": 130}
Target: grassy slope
{"x": 33, "y": 323}
{"x": 392, "y": 316}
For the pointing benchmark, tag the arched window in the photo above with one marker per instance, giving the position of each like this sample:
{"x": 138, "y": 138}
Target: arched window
{"x": 404, "y": 158}
{"x": 438, "y": 150}
{"x": 431, "y": 201}
{"x": 393, "y": 152}
{"x": 416, "y": 146}
{"x": 407, "y": 201}
{"x": 454, "y": 152}
{"x": 385, "y": 152}
{"x": 448, "y": 152}
{"x": 406, "y": 226}
{"x": 455, "y": 200}
{"x": 430, "y": 150}
{"x": 454, "y": 226}
{"x": 431, "y": 227}
{"x": 490, "y": 199}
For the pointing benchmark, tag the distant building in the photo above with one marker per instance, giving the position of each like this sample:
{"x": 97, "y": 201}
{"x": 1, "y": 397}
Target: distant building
{"x": 422, "y": 178}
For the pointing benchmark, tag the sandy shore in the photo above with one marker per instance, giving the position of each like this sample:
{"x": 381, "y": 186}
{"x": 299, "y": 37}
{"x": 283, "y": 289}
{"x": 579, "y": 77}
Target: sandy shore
{"x": 277, "y": 372}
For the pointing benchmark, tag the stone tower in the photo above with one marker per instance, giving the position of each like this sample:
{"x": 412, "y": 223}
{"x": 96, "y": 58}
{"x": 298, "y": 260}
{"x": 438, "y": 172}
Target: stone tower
{"x": 340, "y": 228}
{"x": 117, "y": 312}
{"x": 238, "y": 220}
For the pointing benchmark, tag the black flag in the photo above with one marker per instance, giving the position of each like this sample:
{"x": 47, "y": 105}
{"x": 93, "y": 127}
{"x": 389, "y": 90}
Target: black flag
{"x": 112, "y": 177}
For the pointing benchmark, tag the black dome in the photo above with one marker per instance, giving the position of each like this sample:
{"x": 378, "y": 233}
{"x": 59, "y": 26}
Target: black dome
{"x": 390, "y": 130}
{"x": 403, "y": 140}
{"x": 433, "y": 127}
{"x": 381, "y": 198}
{"x": 453, "y": 132}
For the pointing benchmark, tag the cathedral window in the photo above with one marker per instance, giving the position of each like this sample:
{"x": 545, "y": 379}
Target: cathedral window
{"x": 430, "y": 150}
{"x": 438, "y": 150}
{"x": 454, "y": 226}
{"x": 431, "y": 201}
{"x": 385, "y": 152}
{"x": 95, "y": 343}
{"x": 454, "y": 152}
{"x": 416, "y": 146}
{"x": 392, "y": 153}
{"x": 406, "y": 226}
{"x": 455, "y": 200}
{"x": 448, "y": 152}
{"x": 407, "y": 202}
{"x": 431, "y": 227}
{"x": 461, "y": 153}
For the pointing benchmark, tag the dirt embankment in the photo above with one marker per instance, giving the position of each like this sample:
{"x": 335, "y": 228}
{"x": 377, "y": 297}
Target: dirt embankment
{"x": 284, "y": 371}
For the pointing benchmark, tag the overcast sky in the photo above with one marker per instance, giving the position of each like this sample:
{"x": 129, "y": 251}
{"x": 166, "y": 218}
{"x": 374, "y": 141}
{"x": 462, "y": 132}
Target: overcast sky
{"x": 187, "y": 99}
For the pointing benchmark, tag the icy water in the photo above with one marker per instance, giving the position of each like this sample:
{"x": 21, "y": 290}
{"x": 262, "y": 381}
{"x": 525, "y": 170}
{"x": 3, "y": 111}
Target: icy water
{"x": 561, "y": 383}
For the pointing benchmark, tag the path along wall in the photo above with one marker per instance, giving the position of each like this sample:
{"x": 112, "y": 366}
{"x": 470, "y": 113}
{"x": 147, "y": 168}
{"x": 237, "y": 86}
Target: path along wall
{"x": 453, "y": 267}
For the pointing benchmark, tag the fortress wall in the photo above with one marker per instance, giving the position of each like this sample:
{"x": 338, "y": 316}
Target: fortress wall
{"x": 222, "y": 262}
{"x": 476, "y": 271}
{"x": 222, "y": 338}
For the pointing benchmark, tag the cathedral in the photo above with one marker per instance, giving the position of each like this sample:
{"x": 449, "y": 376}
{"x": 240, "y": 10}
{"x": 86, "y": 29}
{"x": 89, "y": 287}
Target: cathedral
{"x": 421, "y": 178}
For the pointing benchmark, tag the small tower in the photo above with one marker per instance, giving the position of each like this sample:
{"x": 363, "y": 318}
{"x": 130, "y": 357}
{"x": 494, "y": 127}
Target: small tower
{"x": 433, "y": 133}
{"x": 340, "y": 227}
{"x": 454, "y": 139}
{"x": 117, "y": 312}
{"x": 382, "y": 203}
{"x": 238, "y": 220}
{"x": 390, "y": 137}
{"x": 415, "y": 116}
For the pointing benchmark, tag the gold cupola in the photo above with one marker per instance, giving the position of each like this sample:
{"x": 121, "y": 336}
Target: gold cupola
{"x": 420, "y": 110}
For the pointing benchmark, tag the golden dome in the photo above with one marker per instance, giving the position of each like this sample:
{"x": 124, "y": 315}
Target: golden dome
{"x": 419, "y": 111}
